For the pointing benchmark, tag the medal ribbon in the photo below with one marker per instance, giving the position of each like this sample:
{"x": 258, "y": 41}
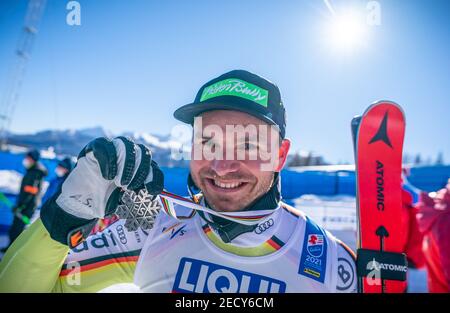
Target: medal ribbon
{"x": 168, "y": 201}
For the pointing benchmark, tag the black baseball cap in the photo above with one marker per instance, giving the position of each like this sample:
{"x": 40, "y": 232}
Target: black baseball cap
{"x": 33, "y": 154}
{"x": 238, "y": 90}
{"x": 66, "y": 163}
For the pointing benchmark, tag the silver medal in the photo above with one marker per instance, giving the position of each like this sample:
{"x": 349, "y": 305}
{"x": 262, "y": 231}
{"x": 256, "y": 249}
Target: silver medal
{"x": 138, "y": 209}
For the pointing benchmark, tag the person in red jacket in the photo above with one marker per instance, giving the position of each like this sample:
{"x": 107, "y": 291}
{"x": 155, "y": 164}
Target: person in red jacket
{"x": 434, "y": 221}
{"x": 413, "y": 237}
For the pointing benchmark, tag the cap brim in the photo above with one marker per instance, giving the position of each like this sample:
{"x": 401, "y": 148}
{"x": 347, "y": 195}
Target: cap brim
{"x": 187, "y": 112}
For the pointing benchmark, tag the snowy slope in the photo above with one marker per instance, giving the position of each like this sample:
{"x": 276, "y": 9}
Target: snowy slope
{"x": 10, "y": 181}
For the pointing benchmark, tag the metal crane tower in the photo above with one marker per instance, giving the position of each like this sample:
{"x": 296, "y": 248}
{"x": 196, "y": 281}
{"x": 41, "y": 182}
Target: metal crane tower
{"x": 13, "y": 85}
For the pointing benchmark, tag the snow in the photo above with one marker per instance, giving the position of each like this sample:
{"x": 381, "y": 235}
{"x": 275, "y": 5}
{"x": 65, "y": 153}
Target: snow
{"x": 150, "y": 139}
{"x": 166, "y": 144}
{"x": 94, "y": 132}
{"x": 10, "y": 181}
{"x": 156, "y": 142}
{"x": 16, "y": 149}
{"x": 337, "y": 214}
{"x": 49, "y": 153}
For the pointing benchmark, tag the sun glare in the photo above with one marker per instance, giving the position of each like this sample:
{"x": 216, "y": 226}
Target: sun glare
{"x": 346, "y": 31}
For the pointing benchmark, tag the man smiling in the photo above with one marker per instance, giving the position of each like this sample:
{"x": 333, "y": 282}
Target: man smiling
{"x": 230, "y": 182}
{"x": 233, "y": 235}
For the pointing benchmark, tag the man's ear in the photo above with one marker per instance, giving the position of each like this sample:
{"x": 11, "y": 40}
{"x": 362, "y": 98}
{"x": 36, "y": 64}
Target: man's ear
{"x": 283, "y": 153}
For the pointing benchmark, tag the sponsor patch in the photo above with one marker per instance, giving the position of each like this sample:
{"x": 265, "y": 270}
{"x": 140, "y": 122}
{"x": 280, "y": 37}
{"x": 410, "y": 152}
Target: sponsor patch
{"x": 346, "y": 274}
{"x": 174, "y": 230}
{"x": 196, "y": 276}
{"x": 313, "y": 261}
{"x": 264, "y": 226}
{"x": 315, "y": 245}
{"x": 238, "y": 88}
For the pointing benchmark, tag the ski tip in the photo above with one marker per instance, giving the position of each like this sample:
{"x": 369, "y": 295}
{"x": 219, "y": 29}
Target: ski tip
{"x": 354, "y": 125}
{"x": 356, "y": 119}
{"x": 390, "y": 102}
{"x": 386, "y": 102}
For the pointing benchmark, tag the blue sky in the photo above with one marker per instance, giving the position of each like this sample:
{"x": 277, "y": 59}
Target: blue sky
{"x": 130, "y": 64}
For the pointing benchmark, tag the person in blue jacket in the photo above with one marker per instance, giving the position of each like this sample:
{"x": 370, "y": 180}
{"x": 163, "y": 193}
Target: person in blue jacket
{"x": 62, "y": 170}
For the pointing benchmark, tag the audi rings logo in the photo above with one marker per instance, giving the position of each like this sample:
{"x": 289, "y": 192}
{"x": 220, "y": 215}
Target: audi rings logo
{"x": 121, "y": 233}
{"x": 264, "y": 226}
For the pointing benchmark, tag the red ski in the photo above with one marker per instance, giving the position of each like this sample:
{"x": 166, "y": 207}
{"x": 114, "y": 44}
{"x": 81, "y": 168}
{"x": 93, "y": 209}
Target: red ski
{"x": 378, "y": 141}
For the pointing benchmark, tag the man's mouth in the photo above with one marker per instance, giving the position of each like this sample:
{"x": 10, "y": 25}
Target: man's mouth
{"x": 225, "y": 186}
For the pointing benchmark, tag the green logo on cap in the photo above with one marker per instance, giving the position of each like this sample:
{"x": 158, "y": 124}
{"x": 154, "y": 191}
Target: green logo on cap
{"x": 238, "y": 88}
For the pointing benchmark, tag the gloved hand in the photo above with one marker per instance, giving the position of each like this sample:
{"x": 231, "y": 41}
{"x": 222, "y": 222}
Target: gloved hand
{"x": 104, "y": 170}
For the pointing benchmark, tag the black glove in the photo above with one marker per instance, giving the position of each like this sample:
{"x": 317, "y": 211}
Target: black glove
{"x": 105, "y": 169}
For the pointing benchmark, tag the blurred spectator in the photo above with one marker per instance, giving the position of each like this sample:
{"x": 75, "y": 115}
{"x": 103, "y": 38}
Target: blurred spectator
{"x": 62, "y": 170}
{"x": 28, "y": 198}
{"x": 434, "y": 222}
{"x": 413, "y": 237}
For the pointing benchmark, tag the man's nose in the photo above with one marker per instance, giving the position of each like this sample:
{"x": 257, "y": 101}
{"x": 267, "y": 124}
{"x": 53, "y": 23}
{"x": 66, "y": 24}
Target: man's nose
{"x": 223, "y": 167}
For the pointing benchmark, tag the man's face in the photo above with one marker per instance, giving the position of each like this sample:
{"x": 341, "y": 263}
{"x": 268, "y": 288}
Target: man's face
{"x": 232, "y": 167}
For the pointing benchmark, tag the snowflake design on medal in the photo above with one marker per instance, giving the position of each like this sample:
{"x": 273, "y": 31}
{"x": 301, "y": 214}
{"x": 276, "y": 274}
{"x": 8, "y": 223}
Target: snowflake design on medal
{"x": 138, "y": 209}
